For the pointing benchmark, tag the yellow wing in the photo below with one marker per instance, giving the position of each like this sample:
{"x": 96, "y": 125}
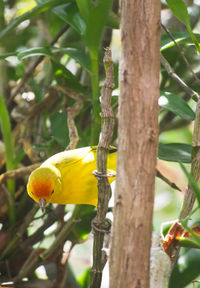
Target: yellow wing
{"x": 76, "y": 167}
{"x": 79, "y": 186}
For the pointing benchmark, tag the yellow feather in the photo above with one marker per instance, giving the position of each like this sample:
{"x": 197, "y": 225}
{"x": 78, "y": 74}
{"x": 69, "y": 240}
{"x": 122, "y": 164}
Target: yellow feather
{"x": 66, "y": 177}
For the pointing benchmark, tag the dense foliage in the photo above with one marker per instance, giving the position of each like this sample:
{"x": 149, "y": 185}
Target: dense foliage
{"x": 51, "y": 71}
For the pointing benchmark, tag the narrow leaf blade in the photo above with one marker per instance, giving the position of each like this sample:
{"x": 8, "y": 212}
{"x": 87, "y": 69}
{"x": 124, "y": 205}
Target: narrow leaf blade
{"x": 179, "y": 9}
{"x": 95, "y": 24}
{"x": 175, "y": 152}
{"x": 177, "y": 105}
{"x": 69, "y": 14}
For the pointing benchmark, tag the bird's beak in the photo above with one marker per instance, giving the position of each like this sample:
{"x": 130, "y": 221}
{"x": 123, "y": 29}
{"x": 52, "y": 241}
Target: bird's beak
{"x": 42, "y": 204}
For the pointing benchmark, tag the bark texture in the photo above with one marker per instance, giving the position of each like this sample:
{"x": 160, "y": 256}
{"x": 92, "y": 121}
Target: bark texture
{"x": 137, "y": 146}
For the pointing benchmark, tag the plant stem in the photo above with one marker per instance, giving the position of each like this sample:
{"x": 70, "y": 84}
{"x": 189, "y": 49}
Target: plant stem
{"x": 9, "y": 155}
{"x": 189, "y": 197}
{"x": 99, "y": 224}
{"x": 95, "y": 96}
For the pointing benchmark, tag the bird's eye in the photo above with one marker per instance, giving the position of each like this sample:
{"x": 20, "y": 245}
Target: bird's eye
{"x": 32, "y": 193}
{"x": 52, "y": 192}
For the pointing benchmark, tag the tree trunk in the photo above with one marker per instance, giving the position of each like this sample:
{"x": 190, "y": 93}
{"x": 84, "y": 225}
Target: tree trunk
{"x": 137, "y": 146}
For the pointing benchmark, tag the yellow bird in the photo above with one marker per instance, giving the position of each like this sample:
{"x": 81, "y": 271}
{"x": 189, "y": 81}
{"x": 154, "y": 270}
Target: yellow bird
{"x": 66, "y": 177}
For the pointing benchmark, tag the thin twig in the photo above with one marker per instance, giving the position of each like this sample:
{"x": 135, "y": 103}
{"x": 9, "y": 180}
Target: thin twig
{"x": 181, "y": 52}
{"x": 99, "y": 224}
{"x": 36, "y": 259}
{"x": 18, "y": 173}
{"x": 166, "y": 180}
{"x": 72, "y": 112}
{"x": 20, "y": 232}
{"x": 39, "y": 234}
{"x": 194, "y": 95}
{"x": 189, "y": 91}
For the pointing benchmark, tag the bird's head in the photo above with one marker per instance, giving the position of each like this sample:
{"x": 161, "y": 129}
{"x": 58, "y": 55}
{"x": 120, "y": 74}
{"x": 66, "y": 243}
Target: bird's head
{"x": 43, "y": 183}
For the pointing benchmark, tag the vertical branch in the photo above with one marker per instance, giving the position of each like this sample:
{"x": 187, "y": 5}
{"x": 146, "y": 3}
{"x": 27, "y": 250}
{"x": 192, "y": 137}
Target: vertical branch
{"x": 99, "y": 224}
{"x": 189, "y": 196}
{"x": 137, "y": 144}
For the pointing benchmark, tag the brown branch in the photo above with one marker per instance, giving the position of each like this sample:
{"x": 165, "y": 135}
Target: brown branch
{"x": 49, "y": 101}
{"x": 181, "y": 53}
{"x": 30, "y": 71}
{"x": 36, "y": 259}
{"x": 38, "y": 235}
{"x": 190, "y": 94}
{"x": 18, "y": 173}
{"x": 189, "y": 197}
{"x": 99, "y": 224}
{"x": 20, "y": 232}
{"x": 167, "y": 181}
{"x": 194, "y": 95}
{"x": 72, "y": 112}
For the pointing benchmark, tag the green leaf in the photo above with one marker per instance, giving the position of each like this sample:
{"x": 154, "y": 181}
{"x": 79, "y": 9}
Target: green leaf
{"x": 5, "y": 55}
{"x": 83, "y": 228}
{"x": 177, "y": 105}
{"x": 179, "y": 37}
{"x": 59, "y": 128}
{"x": 175, "y": 152}
{"x": 84, "y": 8}
{"x": 36, "y": 51}
{"x": 69, "y": 14}
{"x": 5, "y": 126}
{"x": 179, "y": 9}
{"x": 186, "y": 270}
{"x": 7, "y": 135}
{"x": 60, "y": 72}
{"x": 192, "y": 182}
{"x": 95, "y": 24}
{"x": 36, "y": 10}
{"x": 188, "y": 242}
{"x": 84, "y": 280}
{"x": 79, "y": 56}
{"x": 113, "y": 21}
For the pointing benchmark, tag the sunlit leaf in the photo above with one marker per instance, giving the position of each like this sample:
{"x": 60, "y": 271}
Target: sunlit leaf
{"x": 37, "y": 51}
{"x": 38, "y": 9}
{"x": 177, "y": 105}
{"x": 188, "y": 242}
{"x": 61, "y": 72}
{"x": 79, "y": 56}
{"x": 179, "y": 37}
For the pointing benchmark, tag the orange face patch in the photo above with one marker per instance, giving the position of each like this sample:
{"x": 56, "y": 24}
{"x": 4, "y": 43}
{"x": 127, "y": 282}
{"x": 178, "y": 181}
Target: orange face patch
{"x": 42, "y": 189}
